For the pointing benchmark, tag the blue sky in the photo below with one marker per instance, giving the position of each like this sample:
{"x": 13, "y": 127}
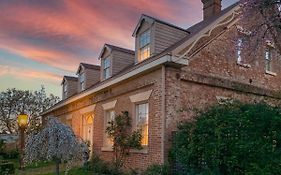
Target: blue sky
{"x": 40, "y": 41}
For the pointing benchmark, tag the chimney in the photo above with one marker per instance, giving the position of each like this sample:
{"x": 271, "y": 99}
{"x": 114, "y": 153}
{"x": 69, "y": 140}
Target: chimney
{"x": 211, "y": 8}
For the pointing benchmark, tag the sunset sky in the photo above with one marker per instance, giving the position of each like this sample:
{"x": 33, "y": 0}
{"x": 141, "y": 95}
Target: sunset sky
{"x": 42, "y": 40}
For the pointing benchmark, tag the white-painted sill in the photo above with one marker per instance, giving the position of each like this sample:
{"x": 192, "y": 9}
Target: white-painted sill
{"x": 106, "y": 149}
{"x": 243, "y": 65}
{"x": 141, "y": 151}
{"x": 270, "y": 73}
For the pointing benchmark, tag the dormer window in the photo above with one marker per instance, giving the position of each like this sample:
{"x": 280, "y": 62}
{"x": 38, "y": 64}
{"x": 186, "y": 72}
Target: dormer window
{"x": 144, "y": 43}
{"x": 106, "y": 68}
{"x": 65, "y": 89}
{"x": 82, "y": 81}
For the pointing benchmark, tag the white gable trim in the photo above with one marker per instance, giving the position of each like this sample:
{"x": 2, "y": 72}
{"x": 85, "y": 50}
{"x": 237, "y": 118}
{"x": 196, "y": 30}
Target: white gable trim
{"x": 87, "y": 109}
{"x": 109, "y": 105}
{"x": 205, "y": 32}
{"x": 140, "y": 96}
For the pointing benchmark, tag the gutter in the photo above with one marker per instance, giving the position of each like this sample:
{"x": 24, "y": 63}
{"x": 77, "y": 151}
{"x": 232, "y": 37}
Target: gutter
{"x": 157, "y": 62}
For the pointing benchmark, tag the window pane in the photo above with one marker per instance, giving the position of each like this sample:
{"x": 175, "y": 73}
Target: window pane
{"x": 106, "y": 73}
{"x": 109, "y": 116}
{"x": 82, "y": 77}
{"x": 83, "y": 86}
{"x": 106, "y": 63}
{"x": 142, "y": 121}
{"x": 144, "y": 39}
{"x": 268, "y": 60}
{"x": 144, "y": 53}
{"x": 239, "y": 49}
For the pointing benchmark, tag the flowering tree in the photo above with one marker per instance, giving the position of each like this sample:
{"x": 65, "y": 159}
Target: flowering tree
{"x": 261, "y": 20}
{"x": 55, "y": 142}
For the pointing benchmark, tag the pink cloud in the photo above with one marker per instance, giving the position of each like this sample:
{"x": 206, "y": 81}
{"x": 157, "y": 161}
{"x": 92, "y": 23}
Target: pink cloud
{"x": 29, "y": 74}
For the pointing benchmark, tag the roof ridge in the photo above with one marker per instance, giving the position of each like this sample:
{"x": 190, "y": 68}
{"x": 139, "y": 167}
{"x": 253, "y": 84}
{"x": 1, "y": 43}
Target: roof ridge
{"x": 167, "y": 23}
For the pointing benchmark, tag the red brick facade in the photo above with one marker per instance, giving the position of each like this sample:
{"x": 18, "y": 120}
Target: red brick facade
{"x": 177, "y": 90}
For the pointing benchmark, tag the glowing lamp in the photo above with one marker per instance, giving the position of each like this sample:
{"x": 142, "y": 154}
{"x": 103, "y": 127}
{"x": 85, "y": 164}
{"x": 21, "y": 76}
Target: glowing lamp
{"x": 22, "y": 120}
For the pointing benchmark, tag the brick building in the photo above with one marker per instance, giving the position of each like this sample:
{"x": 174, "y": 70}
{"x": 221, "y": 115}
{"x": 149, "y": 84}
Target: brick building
{"x": 171, "y": 72}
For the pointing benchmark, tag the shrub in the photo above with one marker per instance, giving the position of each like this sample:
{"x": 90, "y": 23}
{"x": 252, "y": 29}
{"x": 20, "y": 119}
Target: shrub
{"x": 7, "y": 168}
{"x": 124, "y": 139}
{"x": 99, "y": 166}
{"x": 230, "y": 139}
{"x": 157, "y": 170}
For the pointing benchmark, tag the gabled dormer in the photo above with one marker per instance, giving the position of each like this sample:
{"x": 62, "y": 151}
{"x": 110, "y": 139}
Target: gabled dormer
{"x": 88, "y": 75}
{"x": 69, "y": 86}
{"x": 152, "y": 36}
{"x": 114, "y": 59}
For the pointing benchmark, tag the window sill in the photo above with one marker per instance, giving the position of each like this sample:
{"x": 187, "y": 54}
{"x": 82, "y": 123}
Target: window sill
{"x": 270, "y": 73}
{"x": 142, "y": 151}
{"x": 106, "y": 149}
{"x": 243, "y": 65}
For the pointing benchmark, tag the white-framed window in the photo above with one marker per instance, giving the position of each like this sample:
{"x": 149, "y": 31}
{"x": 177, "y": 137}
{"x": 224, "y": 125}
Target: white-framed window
{"x": 106, "y": 68}
{"x": 268, "y": 60}
{"x": 144, "y": 43}
{"x": 65, "y": 89}
{"x": 82, "y": 81}
{"x": 109, "y": 116}
{"x": 239, "y": 50}
{"x": 142, "y": 113}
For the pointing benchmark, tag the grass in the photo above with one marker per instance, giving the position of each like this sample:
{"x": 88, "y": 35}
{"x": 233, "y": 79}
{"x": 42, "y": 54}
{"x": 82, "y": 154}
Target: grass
{"x": 76, "y": 171}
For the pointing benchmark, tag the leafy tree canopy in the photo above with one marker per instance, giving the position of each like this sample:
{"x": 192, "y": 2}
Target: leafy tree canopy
{"x": 230, "y": 139}
{"x": 14, "y": 101}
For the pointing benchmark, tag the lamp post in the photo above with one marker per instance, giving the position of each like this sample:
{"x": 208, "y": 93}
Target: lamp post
{"x": 22, "y": 123}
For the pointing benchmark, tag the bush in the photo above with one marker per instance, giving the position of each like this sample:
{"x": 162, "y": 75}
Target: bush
{"x": 99, "y": 166}
{"x": 12, "y": 154}
{"x": 7, "y": 168}
{"x": 157, "y": 170}
{"x": 230, "y": 139}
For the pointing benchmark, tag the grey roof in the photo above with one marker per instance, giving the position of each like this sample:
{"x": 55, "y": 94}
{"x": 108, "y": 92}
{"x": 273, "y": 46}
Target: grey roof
{"x": 90, "y": 66}
{"x": 166, "y": 23}
{"x": 120, "y": 49}
{"x": 69, "y": 78}
{"x": 193, "y": 30}
{"x": 200, "y": 26}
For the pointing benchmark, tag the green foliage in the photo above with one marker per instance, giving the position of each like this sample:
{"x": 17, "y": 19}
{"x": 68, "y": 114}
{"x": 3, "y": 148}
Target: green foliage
{"x": 11, "y": 154}
{"x": 230, "y": 139}
{"x": 14, "y": 101}
{"x": 2, "y": 146}
{"x": 7, "y": 168}
{"x": 99, "y": 166}
{"x": 123, "y": 138}
{"x": 157, "y": 170}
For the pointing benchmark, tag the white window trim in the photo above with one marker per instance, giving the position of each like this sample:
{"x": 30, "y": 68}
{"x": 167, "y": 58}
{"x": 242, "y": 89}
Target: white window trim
{"x": 87, "y": 109}
{"x": 109, "y": 105}
{"x": 141, "y": 48}
{"x": 136, "y": 122}
{"x": 106, "y": 147}
{"x": 106, "y": 68}
{"x": 143, "y": 96}
{"x": 270, "y": 73}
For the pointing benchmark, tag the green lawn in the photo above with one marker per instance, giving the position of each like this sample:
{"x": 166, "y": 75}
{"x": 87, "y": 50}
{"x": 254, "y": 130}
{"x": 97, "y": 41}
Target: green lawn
{"x": 76, "y": 171}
